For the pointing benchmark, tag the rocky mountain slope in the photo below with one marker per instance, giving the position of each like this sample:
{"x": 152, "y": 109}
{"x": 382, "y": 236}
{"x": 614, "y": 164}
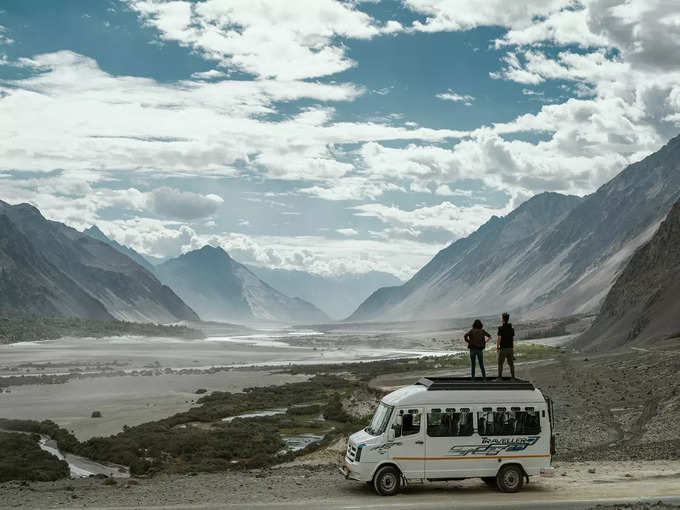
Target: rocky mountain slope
{"x": 220, "y": 288}
{"x": 52, "y": 268}
{"x": 643, "y": 306}
{"x": 552, "y": 256}
{"x": 30, "y": 284}
{"x": 95, "y": 233}
{"x": 338, "y": 296}
{"x": 469, "y": 274}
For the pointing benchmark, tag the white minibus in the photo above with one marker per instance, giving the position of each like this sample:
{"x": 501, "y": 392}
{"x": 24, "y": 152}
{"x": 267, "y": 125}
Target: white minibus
{"x": 451, "y": 428}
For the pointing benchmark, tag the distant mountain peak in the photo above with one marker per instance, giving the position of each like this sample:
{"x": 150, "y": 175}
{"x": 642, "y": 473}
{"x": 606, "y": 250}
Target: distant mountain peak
{"x": 220, "y": 288}
{"x": 94, "y": 229}
{"x": 207, "y": 252}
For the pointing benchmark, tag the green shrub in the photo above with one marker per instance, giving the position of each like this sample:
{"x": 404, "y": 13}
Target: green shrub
{"x": 22, "y": 459}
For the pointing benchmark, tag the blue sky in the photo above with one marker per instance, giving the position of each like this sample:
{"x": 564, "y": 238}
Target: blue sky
{"x": 324, "y": 135}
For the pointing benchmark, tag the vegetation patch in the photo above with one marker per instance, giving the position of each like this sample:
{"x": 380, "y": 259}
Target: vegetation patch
{"x": 24, "y": 327}
{"x": 22, "y": 459}
{"x": 177, "y": 445}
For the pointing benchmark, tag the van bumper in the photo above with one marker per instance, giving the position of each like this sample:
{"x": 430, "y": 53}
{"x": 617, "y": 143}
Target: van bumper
{"x": 353, "y": 471}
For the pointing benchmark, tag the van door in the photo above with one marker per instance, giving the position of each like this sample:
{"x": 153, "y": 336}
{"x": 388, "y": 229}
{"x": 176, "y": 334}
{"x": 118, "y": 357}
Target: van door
{"x": 448, "y": 438}
{"x": 408, "y": 449}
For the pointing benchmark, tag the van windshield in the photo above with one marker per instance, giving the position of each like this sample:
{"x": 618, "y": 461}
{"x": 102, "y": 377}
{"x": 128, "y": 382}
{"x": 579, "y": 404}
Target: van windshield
{"x": 380, "y": 420}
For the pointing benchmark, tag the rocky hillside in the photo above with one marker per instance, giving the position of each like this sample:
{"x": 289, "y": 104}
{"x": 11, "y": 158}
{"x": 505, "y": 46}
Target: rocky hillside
{"x": 51, "y": 268}
{"x": 552, "y": 256}
{"x": 219, "y": 288}
{"x": 643, "y": 306}
{"x": 469, "y": 275}
{"x": 29, "y": 283}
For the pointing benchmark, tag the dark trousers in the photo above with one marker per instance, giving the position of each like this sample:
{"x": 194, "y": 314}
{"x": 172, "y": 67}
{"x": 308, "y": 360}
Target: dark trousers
{"x": 477, "y": 354}
{"x": 506, "y": 353}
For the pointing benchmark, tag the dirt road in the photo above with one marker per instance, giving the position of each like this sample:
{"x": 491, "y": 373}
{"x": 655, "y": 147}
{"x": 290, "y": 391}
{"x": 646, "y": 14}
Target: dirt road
{"x": 323, "y": 487}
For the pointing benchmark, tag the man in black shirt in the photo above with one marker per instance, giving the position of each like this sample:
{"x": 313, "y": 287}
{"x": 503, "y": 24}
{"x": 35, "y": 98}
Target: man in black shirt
{"x": 505, "y": 346}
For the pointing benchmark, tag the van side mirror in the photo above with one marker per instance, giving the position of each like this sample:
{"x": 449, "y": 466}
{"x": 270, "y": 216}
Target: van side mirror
{"x": 391, "y": 434}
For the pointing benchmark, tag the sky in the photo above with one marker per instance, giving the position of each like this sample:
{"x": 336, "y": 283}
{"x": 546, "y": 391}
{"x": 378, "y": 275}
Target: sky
{"x": 328, "y": 136}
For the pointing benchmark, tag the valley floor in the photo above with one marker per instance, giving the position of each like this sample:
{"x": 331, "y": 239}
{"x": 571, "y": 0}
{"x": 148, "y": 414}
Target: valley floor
{"x": 617, "y": 416}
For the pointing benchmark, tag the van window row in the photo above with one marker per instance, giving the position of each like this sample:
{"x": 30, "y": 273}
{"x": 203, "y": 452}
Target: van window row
{"x": 452, "y": 422}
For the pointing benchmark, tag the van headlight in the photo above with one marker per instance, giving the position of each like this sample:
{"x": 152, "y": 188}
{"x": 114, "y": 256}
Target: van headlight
{"x": 359, "y": 450}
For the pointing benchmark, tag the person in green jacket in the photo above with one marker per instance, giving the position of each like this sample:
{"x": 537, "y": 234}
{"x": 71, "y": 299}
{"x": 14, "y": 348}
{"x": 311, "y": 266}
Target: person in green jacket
{"x": 476, "y": 339}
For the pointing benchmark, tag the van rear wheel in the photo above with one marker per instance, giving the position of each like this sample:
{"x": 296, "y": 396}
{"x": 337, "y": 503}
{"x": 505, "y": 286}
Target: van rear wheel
{"x": 490, "y": 481}
{"x": 510, "y": 478}
{"x": 387, "y": 481}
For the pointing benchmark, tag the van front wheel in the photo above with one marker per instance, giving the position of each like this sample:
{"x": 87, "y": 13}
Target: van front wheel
{"x": 387, "y": 481}
{"x": 510, "y": 478}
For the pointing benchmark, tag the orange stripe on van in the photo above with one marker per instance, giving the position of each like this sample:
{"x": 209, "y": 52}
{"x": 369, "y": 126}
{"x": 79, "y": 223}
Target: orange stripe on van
{"x": 474, "y": 458}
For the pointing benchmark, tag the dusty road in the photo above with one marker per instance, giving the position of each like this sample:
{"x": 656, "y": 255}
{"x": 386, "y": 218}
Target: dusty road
{"x": 311, "y": 487}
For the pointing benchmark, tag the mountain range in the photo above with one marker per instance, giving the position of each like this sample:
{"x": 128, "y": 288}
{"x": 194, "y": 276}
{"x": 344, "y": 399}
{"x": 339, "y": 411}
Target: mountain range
{"x": 338, "y": 296}
{"x": 643, "y": 306}
{"x": 554, "y": 255}
{"x": 220, "y": 288}
{"x": 49, "y": 268}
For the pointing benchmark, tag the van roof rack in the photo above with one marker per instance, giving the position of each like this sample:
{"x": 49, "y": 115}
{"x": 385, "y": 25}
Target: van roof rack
{"x": 467, "y": 383}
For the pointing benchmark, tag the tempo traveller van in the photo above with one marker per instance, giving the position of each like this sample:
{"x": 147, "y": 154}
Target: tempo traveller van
{"x": 451, "y": 428}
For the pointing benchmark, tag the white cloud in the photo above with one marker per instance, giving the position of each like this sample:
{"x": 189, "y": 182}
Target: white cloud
{"x": 453, "y": 15}
{"x": 347, "y": 231}
{"x": 267, "y": 38}
{"x": 212, "y": 74}
{"x": 445, "y": 190}
{"x": 186, "y": 205}
{"x": 4, "y": 38}
{"x": 456, "y": 98}
{"x": 74, "y": 116}
{"x": 459, "y": 221}
{"x": 351, "y": 188}
{"x": 152, "y": 237}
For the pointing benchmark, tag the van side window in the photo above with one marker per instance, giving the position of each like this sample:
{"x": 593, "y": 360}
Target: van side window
{"x": 449, "y": 423}
{"x": 501, "y": 422}
{"x": 410, "y": 422}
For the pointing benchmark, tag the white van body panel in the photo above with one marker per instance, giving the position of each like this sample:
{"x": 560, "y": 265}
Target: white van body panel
{"x": 423, "y": 456}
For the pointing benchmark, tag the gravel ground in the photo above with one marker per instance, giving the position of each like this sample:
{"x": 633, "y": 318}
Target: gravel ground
{"x": 637, "y": 506}
{"x": 615, "y": 407}
{"x": 315, "y": 485}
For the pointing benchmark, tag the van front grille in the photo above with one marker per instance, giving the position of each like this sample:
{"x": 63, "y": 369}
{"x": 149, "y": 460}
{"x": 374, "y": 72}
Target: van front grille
{"x": 351, "y": 451}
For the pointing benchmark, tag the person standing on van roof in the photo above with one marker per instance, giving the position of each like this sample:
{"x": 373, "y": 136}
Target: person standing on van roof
{"x": 505, "y": 346}
{"x": 476, "y": 340}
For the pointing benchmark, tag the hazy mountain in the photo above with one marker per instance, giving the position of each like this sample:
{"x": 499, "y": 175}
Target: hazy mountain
{"x": 95, "y": 233}
{"x": 69, "y": 266}
{"x": 643, "y": 306}
{"x": 338, "y": 296}
{"x": 220, "y": 288}
{"x": 554, "y": 255}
